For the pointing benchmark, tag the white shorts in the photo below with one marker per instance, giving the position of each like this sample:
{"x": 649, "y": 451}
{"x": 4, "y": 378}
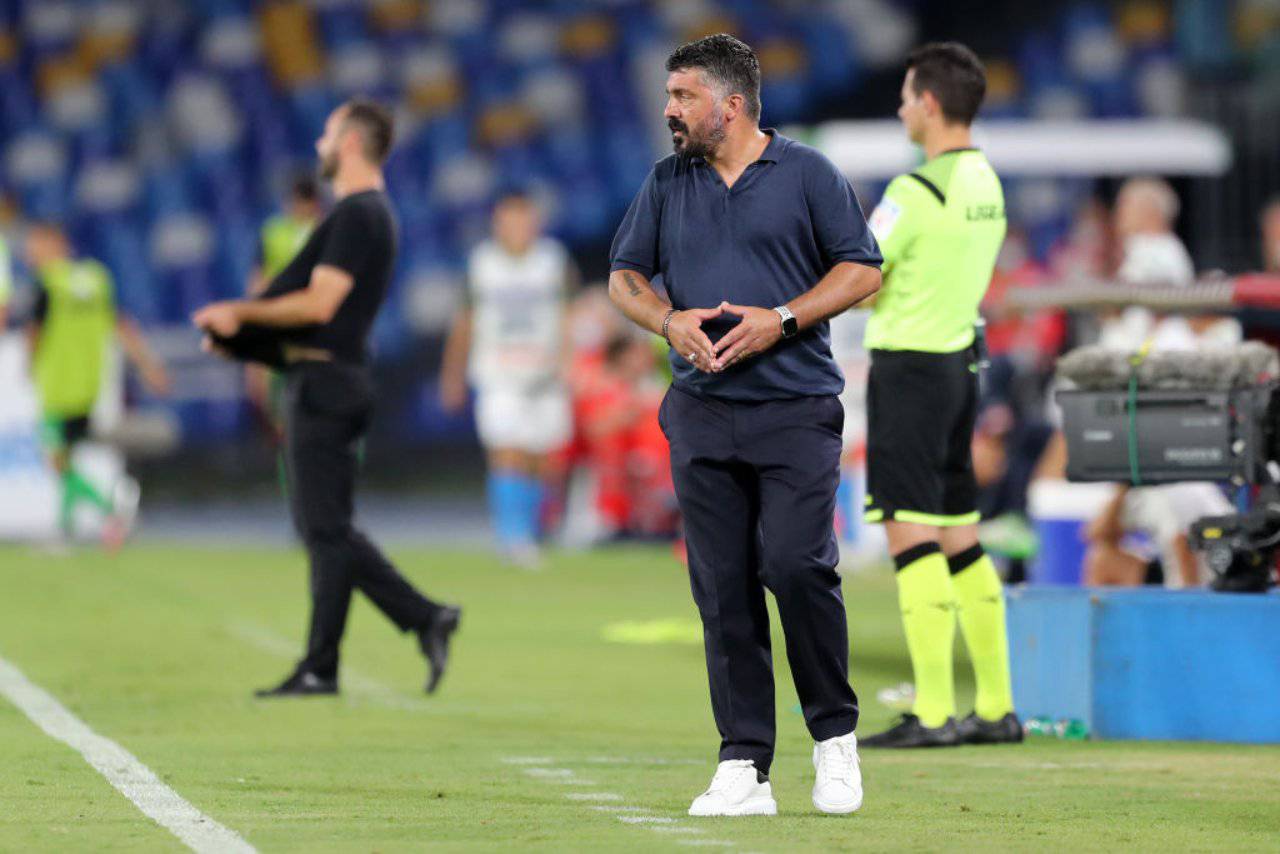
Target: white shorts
{"x": 1166, "y": 511}
{"x": 536, "y": 420}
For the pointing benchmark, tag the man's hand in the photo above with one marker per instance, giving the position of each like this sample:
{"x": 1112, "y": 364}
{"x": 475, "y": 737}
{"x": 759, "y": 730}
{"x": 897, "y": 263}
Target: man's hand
{"x": 208, "y": 345}
{"x": 218, "y": 318}
{"x": 686, "y": 336}
{"x": 759, "y": 330}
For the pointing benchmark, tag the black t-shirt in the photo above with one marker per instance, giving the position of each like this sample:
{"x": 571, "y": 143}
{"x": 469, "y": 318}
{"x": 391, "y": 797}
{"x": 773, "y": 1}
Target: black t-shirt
{"x": 359, "y": 237}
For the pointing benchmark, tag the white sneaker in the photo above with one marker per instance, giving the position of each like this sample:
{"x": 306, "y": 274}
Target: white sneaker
{"x": 735, "y": 790}
{"x": 837, "y": 787}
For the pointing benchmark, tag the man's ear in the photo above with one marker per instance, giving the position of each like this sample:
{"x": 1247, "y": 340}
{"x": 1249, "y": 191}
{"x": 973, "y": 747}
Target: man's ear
{"x": 932, "y": 107}
{"x": 733, "y": 106}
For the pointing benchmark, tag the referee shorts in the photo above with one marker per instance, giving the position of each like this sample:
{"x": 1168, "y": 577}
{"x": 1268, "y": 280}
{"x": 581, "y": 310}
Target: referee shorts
{"x": 921, "y": 409}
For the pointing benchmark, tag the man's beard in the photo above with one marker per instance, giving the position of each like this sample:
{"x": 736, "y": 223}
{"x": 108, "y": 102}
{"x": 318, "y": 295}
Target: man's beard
{"x": 703, "y": 145}
{"x": 328, "y": 166}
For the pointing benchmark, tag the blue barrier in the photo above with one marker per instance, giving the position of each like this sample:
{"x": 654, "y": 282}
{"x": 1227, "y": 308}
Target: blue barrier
{"x": 1149, "y": 664}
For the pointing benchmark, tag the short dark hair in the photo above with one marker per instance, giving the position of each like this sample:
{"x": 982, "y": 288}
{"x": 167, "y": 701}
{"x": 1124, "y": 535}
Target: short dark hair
{"x": 304, "y": 188}
{"x": 729, "y": 64}
{"x": 954, "y": 74}
{"x": 376, "y": 125}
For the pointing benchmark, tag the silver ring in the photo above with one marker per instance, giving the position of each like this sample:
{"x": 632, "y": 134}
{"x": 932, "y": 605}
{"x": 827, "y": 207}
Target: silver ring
{"x": 693, "y": 357}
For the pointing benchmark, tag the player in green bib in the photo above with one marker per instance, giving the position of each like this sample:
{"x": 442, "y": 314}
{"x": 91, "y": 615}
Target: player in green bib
{"x": 73, "y": 327}
{"x": 939, "y": 229}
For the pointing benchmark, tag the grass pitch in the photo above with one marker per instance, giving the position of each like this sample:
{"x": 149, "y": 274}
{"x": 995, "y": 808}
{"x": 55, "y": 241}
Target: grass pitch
{"x": 159, "y": 648}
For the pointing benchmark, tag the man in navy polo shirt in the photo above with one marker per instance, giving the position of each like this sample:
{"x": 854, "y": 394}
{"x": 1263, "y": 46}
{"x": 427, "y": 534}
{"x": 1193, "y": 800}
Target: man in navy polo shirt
{"x": 757, "y": 241}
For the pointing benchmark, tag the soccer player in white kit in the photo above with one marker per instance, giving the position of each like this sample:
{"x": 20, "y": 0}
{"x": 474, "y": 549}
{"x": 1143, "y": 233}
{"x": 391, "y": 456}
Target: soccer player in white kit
{"x": 510, "y": 342}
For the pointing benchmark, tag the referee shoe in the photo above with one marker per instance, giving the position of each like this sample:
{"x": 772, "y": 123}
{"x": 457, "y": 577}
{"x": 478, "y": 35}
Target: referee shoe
{"x": 909, "y": 732}
{"x": 976, "y": 730}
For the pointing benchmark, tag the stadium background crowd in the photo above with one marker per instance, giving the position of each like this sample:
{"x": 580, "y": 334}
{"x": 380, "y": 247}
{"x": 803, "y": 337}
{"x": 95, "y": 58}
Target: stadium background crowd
{"x": 163, "y": 134}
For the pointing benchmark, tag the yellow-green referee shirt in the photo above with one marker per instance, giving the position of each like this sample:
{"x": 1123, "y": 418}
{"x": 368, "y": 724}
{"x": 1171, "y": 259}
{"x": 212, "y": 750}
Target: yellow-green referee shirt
{"x": 939, "y": 229}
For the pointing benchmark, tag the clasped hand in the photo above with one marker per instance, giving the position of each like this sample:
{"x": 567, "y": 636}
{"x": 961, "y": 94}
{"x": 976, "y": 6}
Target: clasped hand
{"x": 757, "y": 331}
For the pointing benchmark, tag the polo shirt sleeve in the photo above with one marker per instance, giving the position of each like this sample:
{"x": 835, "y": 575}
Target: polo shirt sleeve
{"x": 838, "y": 222}
{"x": 892, "y": 222}
{"x": 635, "y": 246}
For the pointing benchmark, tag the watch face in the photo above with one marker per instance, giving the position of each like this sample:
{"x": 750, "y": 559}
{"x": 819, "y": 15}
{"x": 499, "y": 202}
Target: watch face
{"x": 789, "y": 326}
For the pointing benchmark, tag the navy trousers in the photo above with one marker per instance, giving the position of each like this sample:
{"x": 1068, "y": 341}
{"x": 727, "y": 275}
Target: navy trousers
{"x": 756, "y": 484}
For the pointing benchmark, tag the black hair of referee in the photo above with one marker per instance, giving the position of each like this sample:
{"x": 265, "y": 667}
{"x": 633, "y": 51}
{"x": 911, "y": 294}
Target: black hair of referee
{"x": 313, "y": 320}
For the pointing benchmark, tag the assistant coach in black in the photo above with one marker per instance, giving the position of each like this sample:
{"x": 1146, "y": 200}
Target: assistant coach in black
{"x": 314, "y": 321}
{"x": 757, "y": 241}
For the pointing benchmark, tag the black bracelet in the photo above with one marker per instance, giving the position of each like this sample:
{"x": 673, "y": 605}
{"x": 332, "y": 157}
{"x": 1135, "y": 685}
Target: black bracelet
{"x": 666, "y": 324}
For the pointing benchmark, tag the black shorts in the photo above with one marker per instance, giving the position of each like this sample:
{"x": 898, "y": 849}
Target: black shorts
{"x": 61, "y": 432}
{"x": 921, "y": 409}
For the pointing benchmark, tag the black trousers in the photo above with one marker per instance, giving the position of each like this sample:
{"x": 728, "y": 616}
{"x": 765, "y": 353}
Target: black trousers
{"x": 328, "y": 407}
{"x": 756, "y": 484}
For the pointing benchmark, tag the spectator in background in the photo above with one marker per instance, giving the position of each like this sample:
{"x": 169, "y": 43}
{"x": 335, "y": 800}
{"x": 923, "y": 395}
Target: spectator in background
{"x": 1145, "y": 213}
{"x": 1141, "y": 534}
{"x": 1270, "y": 223}
{"x": 71, "y": 332}
{"x": 282, "y": 235}
{"x": 1150, "y": 255}
{"x": 622, "y": 444}
{"x": 511, "y": 340}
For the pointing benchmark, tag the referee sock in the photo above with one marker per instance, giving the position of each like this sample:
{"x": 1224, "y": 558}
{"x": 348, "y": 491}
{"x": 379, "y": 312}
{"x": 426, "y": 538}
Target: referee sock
{"x": 929, "y": 620}
{"x": 981, "y": 607}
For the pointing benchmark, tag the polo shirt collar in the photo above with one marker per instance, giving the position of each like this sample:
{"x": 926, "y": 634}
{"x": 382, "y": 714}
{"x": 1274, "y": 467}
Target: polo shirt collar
{"x": 772, "y": 151}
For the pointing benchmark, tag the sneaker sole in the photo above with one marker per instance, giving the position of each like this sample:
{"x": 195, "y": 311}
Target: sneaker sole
{"x": 755, "y": 806}
{"x": 837, "y": 809}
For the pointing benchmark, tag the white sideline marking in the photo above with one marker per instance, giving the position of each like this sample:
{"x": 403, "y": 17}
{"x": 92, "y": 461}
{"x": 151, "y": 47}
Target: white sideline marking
{"x": 593, "y": 796}
{"x": 536, "y": 766}
{"x": 122, "y": 769}
{"x": 549, "y": 773}
{"x": 563, "y": 776}
{"x": 715, "y": 843}
{"x": 636, "y": 760}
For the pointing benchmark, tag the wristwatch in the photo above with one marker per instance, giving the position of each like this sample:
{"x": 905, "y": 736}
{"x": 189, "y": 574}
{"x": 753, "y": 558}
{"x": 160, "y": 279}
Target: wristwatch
{"x": 790, "y": 326}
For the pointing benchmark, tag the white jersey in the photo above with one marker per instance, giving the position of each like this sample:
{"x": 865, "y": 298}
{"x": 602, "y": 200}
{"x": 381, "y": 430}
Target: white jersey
{"x": 517, "y": 313}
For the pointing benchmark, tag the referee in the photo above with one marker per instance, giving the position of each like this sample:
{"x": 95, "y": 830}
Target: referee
{"x": 757, "y": 239}
{"x": 939, "y": 228}
{"x": 314, "y": 320}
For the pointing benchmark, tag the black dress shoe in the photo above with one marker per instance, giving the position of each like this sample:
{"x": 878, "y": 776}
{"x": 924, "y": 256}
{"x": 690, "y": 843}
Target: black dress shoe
{"x": 976, "y": 730}
{"x": 301, "y": 684}
{"x": 909, "y": 732}
{"x": 434, "y": 640}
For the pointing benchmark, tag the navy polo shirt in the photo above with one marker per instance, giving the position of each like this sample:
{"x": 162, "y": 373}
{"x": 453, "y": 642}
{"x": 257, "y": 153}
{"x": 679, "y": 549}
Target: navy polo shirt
{"x": 787, "y": 220}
